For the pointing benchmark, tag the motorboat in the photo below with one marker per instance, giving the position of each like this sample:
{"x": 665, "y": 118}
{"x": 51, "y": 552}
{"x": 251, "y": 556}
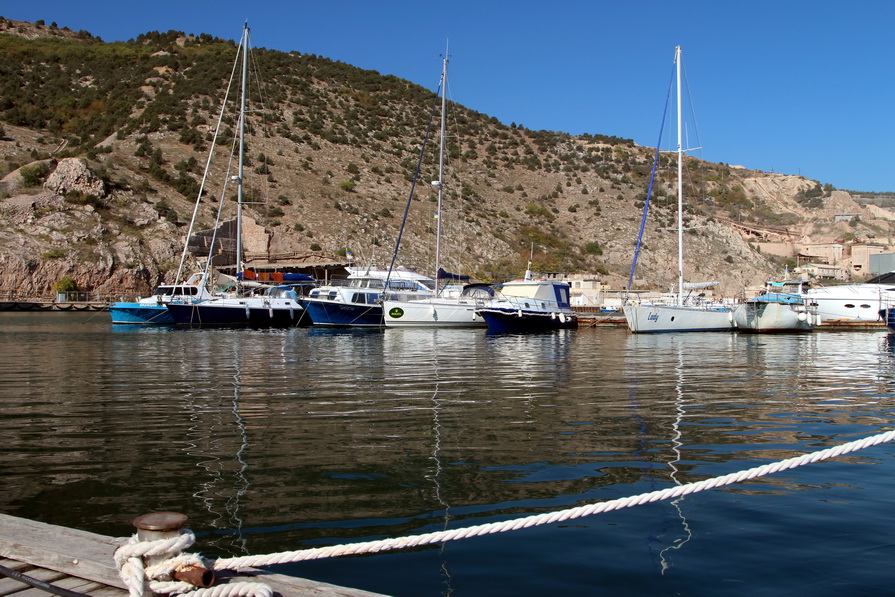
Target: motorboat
{"x": 781, "y": 307}
{"x": 529, "y": 305}
{"x": 152, "y": 310}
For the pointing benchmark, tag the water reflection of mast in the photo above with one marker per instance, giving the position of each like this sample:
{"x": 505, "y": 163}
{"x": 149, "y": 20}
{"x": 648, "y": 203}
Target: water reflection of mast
{"x": 215, "y": 466}
{"x": 676, "y": 444}
{"x": 436, "y": 476}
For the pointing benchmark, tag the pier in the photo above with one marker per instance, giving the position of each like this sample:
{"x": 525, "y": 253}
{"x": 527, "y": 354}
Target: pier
{"x": 38, "y": 559}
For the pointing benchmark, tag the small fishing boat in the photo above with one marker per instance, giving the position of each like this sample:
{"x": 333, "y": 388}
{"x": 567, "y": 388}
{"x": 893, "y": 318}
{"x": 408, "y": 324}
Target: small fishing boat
{"x": 152, "y": 310}
{"x": 529, "y": 305}
{"x": 781, "y": 307}
{"x": 357, "y": 300}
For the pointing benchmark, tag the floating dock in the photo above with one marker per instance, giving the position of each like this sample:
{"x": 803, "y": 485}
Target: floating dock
{"x": 37, "y": 559}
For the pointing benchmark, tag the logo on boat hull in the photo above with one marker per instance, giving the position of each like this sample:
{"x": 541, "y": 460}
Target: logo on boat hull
{"x": 396, "y": 313}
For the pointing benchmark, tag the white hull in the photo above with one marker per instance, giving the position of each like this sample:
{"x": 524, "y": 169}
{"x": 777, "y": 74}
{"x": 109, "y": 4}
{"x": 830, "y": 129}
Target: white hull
{"x": 852, "y": 302}
{"x": 434, "y": 312}
{"x": 772, "y": 317}
{"x": 673, "y": 318}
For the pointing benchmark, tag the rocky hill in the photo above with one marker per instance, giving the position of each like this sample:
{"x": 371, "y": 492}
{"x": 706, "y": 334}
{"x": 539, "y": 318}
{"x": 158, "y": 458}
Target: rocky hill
{"x": 103, "y": 149}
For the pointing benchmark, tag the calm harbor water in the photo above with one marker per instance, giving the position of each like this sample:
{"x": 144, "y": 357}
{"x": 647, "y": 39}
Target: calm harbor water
{"x": 279, "y": 440}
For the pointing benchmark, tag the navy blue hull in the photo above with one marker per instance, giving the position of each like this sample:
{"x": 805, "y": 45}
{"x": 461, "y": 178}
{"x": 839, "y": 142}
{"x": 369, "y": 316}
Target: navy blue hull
{"x": 334, "y": 314}
{"x": 201, "y": 315}
{"x": 511, "y": 322}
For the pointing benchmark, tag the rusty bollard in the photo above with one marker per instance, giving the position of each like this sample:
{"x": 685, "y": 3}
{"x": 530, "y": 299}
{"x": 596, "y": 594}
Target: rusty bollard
{"x": 167, "y": 525}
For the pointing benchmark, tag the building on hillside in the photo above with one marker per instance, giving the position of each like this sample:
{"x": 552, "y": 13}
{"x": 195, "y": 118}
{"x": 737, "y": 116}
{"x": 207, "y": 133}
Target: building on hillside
{"x": 860, "y": 257}
{"x": 822, "y": 253}
{"x": 822, "y": 271}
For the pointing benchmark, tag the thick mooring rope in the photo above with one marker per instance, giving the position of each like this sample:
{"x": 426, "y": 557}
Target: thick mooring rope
{"x": 549, "y": 517}
{"x": 130, "y": 564}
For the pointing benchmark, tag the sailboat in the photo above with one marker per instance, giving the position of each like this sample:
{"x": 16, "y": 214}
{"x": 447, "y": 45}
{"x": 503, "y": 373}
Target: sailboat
{"x": 683, "y": 313}
{"x": 453, "y": 304}
{"x": 278, "y": 306}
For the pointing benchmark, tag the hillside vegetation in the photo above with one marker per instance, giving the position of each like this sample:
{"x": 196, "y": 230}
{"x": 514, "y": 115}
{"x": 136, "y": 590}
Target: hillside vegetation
{"x": 332, "y": 152}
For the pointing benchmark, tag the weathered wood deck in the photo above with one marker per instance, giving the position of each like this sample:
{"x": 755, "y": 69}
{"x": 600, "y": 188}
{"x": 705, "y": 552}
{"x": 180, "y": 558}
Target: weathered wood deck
{"x": 81, "y": 562}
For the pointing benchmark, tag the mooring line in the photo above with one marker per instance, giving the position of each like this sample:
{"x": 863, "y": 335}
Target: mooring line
{"x": 549, "y": 517}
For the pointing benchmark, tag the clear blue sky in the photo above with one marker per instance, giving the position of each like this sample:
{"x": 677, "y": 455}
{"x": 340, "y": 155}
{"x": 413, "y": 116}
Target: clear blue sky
{"x": 799, "y": 87}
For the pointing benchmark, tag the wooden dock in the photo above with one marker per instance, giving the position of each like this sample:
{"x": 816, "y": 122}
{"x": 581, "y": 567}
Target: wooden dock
{"x": 79, "y": 563}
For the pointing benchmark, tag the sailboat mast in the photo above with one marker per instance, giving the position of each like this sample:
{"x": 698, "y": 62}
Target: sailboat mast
{"x": 242, "y": 128}
{"x": 680, "y": 185}
{"x": 440, "y": 183}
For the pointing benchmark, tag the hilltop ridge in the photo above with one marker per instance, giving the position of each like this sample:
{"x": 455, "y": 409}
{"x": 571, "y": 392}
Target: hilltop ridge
{"x": 332, "y": 153}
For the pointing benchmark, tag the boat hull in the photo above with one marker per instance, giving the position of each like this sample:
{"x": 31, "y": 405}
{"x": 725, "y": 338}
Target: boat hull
{"x": 672, "y": 318}
{"x": 507, "y": 321}
{"x": 237, "y": 313}
{"x": 771, "y": 318}
{"x": 432, "y": 313}
{"x": 140, "y": 314}
{"x": 336, "y": 314}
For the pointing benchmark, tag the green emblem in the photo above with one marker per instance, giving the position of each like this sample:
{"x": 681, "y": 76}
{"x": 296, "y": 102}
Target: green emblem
{"x": 396, "y": 313}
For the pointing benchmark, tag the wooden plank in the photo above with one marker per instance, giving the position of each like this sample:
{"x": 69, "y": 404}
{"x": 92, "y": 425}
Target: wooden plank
{"x": 74, "y": 552}
{"x": 90, "y": 556}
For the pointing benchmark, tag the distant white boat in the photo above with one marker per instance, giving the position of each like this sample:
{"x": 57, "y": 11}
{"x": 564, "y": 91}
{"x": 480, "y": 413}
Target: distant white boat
{"x": 682, "y": 314}
{"x": 782, "y": 307}
{"x": 854, "y": 302}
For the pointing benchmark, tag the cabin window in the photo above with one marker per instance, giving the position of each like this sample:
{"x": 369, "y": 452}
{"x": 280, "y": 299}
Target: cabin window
{"x": 865, "y": 306}
{"x": 849, "y": 306}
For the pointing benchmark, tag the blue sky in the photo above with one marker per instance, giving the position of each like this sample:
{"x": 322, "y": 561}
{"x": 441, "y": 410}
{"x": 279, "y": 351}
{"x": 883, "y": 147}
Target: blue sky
{"x": 799, "y": 87}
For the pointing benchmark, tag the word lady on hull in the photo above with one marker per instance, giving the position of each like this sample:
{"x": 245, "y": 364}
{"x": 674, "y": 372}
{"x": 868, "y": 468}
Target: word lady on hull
{"x": 683, "y": 314}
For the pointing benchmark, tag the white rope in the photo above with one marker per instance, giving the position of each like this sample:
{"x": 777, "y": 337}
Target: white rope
{"x": 550, "y": 517}
{"x": 158, "y": 578}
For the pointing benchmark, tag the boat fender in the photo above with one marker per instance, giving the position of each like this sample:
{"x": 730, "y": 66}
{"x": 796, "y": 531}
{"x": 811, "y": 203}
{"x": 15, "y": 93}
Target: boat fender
{"x": 562, "y": 318}
{"x": 270, "y": 312}
{"x": 248, "y": 312}
{"x": 291, "y": 313}
{"x": 519, "y": 313}
{"x": 552, "y": 315}
{"x": 802, "y": 316}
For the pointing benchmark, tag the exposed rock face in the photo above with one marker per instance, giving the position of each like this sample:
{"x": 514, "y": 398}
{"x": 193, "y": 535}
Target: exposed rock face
{"x": 72, "y": 175}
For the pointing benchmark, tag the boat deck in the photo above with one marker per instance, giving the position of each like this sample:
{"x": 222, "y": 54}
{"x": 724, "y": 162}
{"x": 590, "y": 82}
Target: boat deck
{"x": 80, "y": 563}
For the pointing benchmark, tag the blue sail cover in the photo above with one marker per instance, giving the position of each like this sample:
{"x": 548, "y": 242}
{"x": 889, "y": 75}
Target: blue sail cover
{"x": 444, "y": 275}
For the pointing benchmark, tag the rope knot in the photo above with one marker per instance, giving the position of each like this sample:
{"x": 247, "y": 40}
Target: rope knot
{"x": 177, "y": 573}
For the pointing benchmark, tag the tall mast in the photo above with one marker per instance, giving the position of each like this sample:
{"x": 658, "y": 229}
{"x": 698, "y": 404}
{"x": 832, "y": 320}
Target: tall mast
{"x": 242, "y": 128}
{"x": 680, "y": 185}
{"x": 440, "y": 182}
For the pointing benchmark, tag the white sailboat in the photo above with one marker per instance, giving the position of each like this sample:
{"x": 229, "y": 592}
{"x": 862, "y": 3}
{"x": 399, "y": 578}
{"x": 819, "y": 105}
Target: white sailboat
{"x": 452, "y": 305}
{"x": 278, "y": 306}
{"x": 684, "y": 313}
